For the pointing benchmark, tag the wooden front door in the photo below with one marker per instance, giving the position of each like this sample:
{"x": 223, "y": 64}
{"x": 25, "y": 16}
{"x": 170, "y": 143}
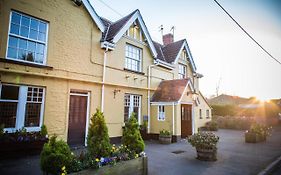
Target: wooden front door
{"x": 186, "y": 120}
{"x": 77, "y": 119}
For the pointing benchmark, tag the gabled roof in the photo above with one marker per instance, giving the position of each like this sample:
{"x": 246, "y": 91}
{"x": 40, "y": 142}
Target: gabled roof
{"x": 170, "y": 90}
{"x": 94, "y": 15}
{"x": 115, "y": 30}
{"x": 171, "y": 52}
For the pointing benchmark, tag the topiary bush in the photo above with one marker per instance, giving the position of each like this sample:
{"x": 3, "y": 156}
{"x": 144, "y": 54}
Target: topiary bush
{"x": 54, "y": 156}
{"x": 131, "y": 135}
{"x": 98, "y": 140}
{"x": 44, "y": 131}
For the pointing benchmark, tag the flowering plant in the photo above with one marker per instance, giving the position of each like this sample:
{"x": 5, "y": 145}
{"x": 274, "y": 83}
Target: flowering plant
{"x": 260, "y": 129}
{"x": 165, "y": 132}
{"x": 204, "y": 140}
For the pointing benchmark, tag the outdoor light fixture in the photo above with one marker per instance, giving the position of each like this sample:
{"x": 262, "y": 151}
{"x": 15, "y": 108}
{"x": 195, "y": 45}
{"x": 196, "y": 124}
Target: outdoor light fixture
{"x": 116, "y": 91}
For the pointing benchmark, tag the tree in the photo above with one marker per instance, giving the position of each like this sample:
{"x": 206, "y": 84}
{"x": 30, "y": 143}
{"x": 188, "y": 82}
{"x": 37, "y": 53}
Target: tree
{"x": 98, "y": 140}
{"x": 131, "y": 135}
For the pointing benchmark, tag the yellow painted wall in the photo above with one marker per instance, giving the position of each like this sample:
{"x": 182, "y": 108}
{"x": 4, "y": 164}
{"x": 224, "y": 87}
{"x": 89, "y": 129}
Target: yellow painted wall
{"x": 204, "y": 106}
{"x": 156, "y": 125}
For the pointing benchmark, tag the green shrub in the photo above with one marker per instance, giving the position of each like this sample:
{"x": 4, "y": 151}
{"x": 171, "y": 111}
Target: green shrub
{"x": 98, "y": 140}
{"x": 43, "y": 131}
{"x": 165, "y": 132}
{"x": 54, "y": 156}
{"x": 204, "y": 140}
{"x": 260, "y": 129}
{"x": 131, "y": 135}
{"x": 212, "y": 126}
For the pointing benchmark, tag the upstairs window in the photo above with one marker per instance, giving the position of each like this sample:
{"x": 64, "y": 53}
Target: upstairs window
{"x": 207, "y": 113}
{"x": 161, "y": 113}
{"x": 133, "y": 58}
{"x": 200, "y": 114}
{"x": 182, "y": 71}
{"x": 27, "y": 39}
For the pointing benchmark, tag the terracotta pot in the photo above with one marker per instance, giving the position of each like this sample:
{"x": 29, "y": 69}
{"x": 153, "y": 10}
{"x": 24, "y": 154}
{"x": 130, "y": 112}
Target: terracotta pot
{"x": 165, "y": 139}
{"x": 206, "y": 154}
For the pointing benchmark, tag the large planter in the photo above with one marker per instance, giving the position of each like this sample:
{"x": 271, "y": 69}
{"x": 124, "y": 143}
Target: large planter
{"x": 136, "y": 166}
{"x": 165, "y": 139}
{"x": 206, "y": 154}
{"x": 18, "y": 149}
{"x": 254, "y": 138}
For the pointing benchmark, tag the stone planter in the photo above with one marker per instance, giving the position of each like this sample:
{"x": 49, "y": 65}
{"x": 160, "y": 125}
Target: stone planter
{"x": 254, "y": 138}
{"x": 165, "y": 139}
{"x": 136, "y": 166}
{"x": 18, "y": 149}
{"x": 206, "y": 154}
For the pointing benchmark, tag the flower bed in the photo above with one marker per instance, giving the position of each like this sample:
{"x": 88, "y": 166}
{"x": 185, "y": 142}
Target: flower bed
{"x": 137, "y": 166}
{"x": 21, "y": 143}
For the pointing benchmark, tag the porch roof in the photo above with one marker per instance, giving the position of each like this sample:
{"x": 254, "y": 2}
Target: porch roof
{"x": 170, "y": 90}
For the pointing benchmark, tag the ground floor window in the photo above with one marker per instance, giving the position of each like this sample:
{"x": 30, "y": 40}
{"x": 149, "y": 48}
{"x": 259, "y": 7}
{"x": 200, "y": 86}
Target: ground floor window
{"x": 21, "y": 106}
{"x": 161, "y": 113}
{"x": 200, "y": 113}
{"x": 132, "y": 103}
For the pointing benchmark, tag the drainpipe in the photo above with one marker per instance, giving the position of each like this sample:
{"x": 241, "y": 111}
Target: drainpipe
{"x": 173, "y": 133}
{"x": 148, "y": 95}
{"x": 103, "y": 78}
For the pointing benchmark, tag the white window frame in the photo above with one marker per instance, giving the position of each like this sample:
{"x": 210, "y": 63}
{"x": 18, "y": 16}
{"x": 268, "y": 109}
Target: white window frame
{"x": 182, "y": 71}
{"x": 28, "y": 39}
{"x": 127, "y": 65}
{"x": 21, "y": 108}
{"x": 131, "y": 105}
{"x": 161, "y": 113}
{"x": 207, "y": 113}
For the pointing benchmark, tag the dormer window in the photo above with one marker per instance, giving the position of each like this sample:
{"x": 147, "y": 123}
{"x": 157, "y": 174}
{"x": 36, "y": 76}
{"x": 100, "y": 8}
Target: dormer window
{"x": 135, "y": 32}
{"x": 133, "y": 58}
{"x": 182, "y": 71}
{"x": 27, "y": 39}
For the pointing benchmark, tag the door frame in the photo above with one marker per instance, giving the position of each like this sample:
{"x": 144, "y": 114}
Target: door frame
{"x": 192, "y": 117}
{"x": 85, "y": 94}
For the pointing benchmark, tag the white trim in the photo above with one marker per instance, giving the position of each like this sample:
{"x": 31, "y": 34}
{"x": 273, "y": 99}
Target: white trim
{"x": 164, "y": 64}
{"x": 185, "y": 45}
{"x": 193, "y": 119}
{"x": 162, "y": 103}
{"x": 183, "y": 93}
{"x": 161, "y": 113}
{"x": 136, "y": 16}
{"x": 174, "y": 119}
{"x": 94, "y": 15}
{"x": 87, "y": 117}
{"x": 107, "y": 44}
{"x": 186, "y": 103}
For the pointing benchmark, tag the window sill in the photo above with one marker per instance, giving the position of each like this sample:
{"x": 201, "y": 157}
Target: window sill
{"x": 128, "y": 70}
{"x": 4, "y": 60}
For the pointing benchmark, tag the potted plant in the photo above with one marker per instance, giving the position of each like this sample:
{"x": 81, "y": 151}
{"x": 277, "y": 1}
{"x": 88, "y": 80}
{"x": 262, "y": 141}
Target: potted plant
{"x": 165, "y": 137}
{"x": 257, "y": 133}
{"x": 205, "y": 144}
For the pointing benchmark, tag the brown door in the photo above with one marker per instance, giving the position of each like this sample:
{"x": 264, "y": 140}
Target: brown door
{"x": 186, "y": 120}
{"x": 77, "y": 119}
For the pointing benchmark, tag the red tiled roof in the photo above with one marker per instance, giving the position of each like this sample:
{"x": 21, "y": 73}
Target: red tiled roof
{"x": 170, "y": 90}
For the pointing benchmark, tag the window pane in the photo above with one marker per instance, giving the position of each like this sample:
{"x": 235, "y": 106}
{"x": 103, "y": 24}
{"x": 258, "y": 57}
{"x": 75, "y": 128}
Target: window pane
{"x": 22, "y": 43}
{"x": 9, "y": 92}
{"x": 34, "y": 24}
{"x": 42, "y": 37}
{"x": 12, "y": 53}
{"x": 136, "y": 110}
{"x": 15, "y": 29}
{"x": 24, "y": 31}
{"x": 40, "y": 48}
{"x": 32, "y": 114}
{"x": 22, "y": 54}
{"x": 126, "y": 113}
{"x": 33, "y": 34}
{"x": 39, "y": 58}
{"x": 15, "y": 18}
{"x": 25, "y": 21}
{"x": 13, "y": 42}
{"x": 8, "y": 111}
{"x": 31, "y": 46}
{"x": 42, "y": 27}
{"x": 30, "y": 56}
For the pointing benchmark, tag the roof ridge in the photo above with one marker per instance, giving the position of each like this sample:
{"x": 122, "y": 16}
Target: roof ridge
{"x": 125, "y": 16}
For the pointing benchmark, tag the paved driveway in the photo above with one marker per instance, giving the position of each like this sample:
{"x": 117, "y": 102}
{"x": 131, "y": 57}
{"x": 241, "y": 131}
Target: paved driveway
{"x": 235, "y": 157}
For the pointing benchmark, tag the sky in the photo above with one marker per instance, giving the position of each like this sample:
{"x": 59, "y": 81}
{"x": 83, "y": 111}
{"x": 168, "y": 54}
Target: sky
{"x": 225, "y": 55}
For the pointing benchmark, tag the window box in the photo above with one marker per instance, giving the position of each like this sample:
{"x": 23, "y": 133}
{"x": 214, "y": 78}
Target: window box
{"x": 136, "y": 166}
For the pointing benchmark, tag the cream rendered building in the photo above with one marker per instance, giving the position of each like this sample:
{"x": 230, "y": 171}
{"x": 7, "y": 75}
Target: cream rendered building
{"x": 59, "y": 61}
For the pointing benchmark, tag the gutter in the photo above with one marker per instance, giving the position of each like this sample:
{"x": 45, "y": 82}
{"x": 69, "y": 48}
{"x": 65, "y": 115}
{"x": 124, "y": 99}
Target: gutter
{"x": 103, "y": 78}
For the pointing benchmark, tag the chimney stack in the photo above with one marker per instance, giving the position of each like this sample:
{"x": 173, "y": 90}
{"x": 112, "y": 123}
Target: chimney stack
{"x": 168, "y": 38}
